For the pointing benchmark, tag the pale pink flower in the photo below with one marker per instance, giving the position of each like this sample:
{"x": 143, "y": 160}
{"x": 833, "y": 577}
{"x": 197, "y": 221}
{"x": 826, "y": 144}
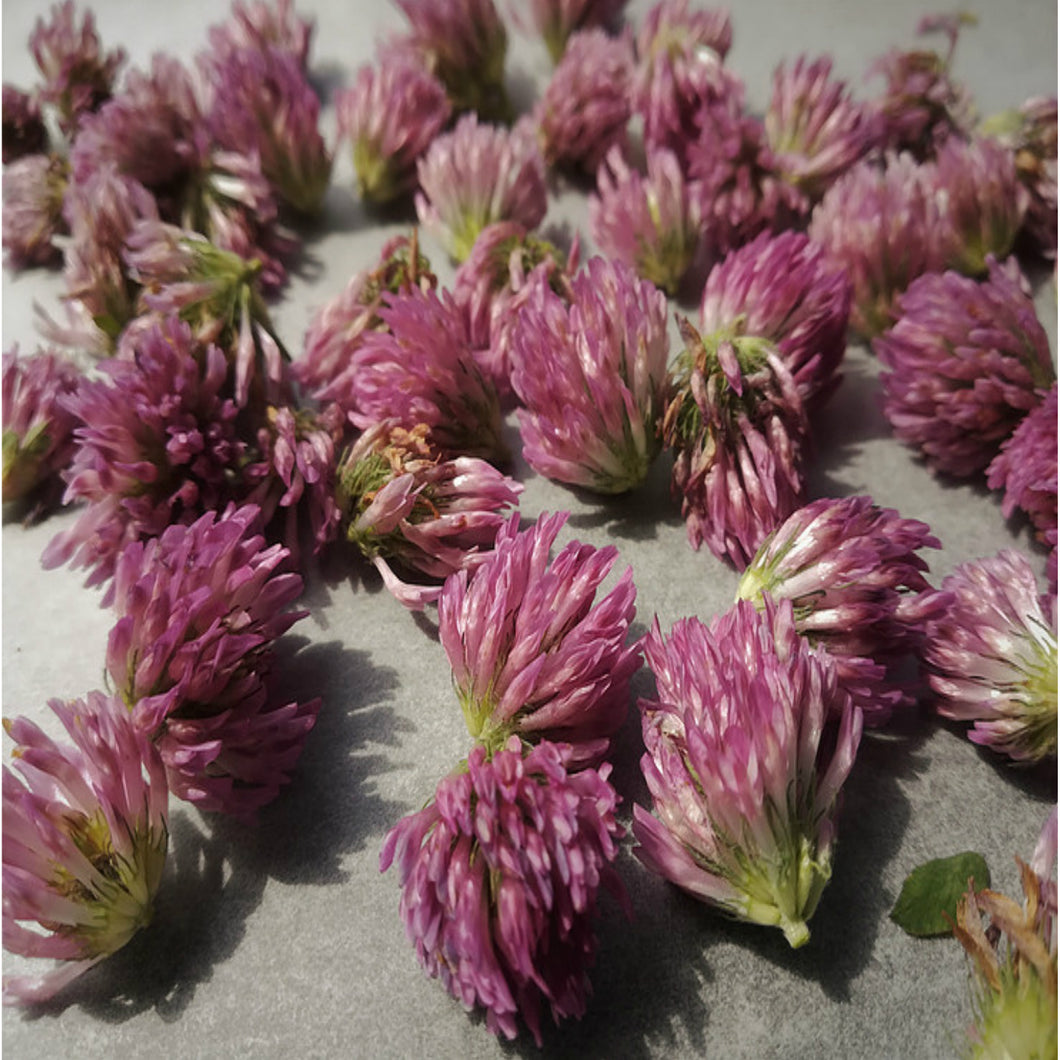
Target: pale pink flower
{"x": 403, "y": 504}
{"x": 739, "y": 430}
{"x": 85, "y": 837}
{"x": 558, "y": 20}
{"x": 33, "y": 189}
{"x": 38, "y": 430}
{"x": 585, "y": 108}
{"x": 418, "y": 369}
{"x": 78, "y": 74}
{"x": 463, "y": 43}
{"x": 856, "y": 583}
{"x": 390, "y": 116}
{"x": 500, "y": 873}
{"x": 963, "y": 365}
{"x": 744, "y": 783}
{"x": 533, "y": 654}
{"x": 883, "y": 228}
{"x": 783, "y": 290}
{"x": 590, "y": 372}
{"x": 24, "y": 132}
{"x": 198, "y": 611}
{"x": 652, "y": 222}
{"x": 991, "y": 656}
{"x": 477, "y": 175}
{"x": 813, "y": 126}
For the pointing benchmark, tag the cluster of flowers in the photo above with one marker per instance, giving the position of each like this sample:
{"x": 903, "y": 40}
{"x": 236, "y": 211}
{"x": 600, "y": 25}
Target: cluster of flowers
{"x": 194, "y": 447}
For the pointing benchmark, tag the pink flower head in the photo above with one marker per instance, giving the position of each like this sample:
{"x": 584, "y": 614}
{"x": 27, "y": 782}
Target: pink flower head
{"x": 745, "y": 786}
{"x": 390, "y": 116}
{"x": 402, "y": 503}
{"x": 670, "y": 33}
{"x": 101, "y": 210}
{"x": 963, "y": 365}
{"x": 921, "y": 105}
{"x": 739, "y": 430}
{"x": 24, "y": 132}
{"x": 33, "y": 189}
{"x": 476, "y": 175}
{"x": 493, "y": 284}
{"x": 263, "y": 24}
{"x": 499, "y": 876}
{"x": 991, "y": 656}
{"x": 215, "y": 291}
{"x": 883, "y": 229}
{"x": 463, "y": 43}
{"x": 1025, "y": 469}
{"x": 650, "y": 223}
{"x": 784, "y": 290}
{"x": 293, "y": 481}
{"x": 38, "y": 428}
{"x": 78, "y": 74}
{"x": 585, "y": 107}
{"x": 418, "y": 368}
{"x": 558, "y": 20}
{"x": 813, "y": 126}
{"x": 984, "y": 202}
{"x": 263, "y": 104}
{"x": 736, "y": 178}
{"x": 591, "y": 374}
{"x": 198, "y": 609}
{"x": 1030, "y": 133}
{"x": 157, "y": 445}
{"x": 856, "y": 584}
{"x": 532, "y": 654}
{"x": 85, "y": 837}
{"x": 338, "y": 325}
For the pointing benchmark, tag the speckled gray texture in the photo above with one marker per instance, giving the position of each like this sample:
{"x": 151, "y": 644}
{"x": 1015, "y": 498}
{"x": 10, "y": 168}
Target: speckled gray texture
{"x": 284, "y": 940}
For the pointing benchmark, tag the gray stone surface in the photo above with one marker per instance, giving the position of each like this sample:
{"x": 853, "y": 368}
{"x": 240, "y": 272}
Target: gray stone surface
{"x": 285, "y": 940}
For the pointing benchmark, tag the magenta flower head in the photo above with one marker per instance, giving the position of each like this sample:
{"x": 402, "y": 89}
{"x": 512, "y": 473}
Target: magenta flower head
{"x": 463, "y": 43}
{"x": 198, "y": 611}
{"x": 476, "y": 175}
{"x": 390, "y": 116}
{"x": 336, "y": 329}
{"x": 585, "y": 108}
{"x": 743, "y": 780}
{"x": 532, "y": 654}
{"x": 739, "y": 430}
{"x": 264, "y": 105}
{"x": 985, "y": 202}
{"x": 855, "y": 579}
{"x": 24, "y": 132}
{"x": 883, "y": 228}
{"x": 85, "y": 838}
{"x": 783, "y": 290}
{"x": 418, "y": 369}
{"x": 1025, "y": 469}
{"x": 591, "y": 375}
{"x": 495, "y": 281}
{"x": 558, "y": 20}
{"x": 922, "y": 105}
{"x": 991, "y": 656}
{"x": 963, "y": 365}
{"x": 78, "y": 74}
{"x": 813, "y": 126}
{"x": 651, "y": 223}
{"x": 216, "y": 292}
{"x": 1030, "y": 133}
{"x": 402, "y": 503}
{"x": 499, "y": 876}
{"x": 264, "y": 24}
{"x": 38, "y": 429}
{"x": 157, "y": 445}
{"x": 33, "y": 189}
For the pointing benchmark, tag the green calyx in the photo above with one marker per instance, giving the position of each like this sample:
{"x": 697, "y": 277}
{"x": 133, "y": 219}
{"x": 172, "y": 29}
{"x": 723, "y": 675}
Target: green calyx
{"x": 22, "y": 460}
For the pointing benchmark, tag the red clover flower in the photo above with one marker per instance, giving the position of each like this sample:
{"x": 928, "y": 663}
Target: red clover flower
{"x": 558, "y": 20}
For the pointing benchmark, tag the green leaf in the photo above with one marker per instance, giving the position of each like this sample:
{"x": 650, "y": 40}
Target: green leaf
{"x": 933, "y": 889}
